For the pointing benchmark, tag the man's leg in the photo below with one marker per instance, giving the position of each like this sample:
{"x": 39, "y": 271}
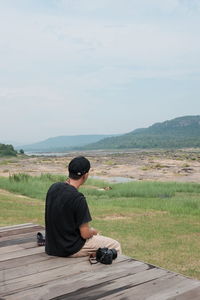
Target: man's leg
{"x": 95, "y": 242}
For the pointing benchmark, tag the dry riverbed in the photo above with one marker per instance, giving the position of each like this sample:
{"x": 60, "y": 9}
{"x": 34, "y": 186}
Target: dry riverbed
{"x": 157, "y": 165}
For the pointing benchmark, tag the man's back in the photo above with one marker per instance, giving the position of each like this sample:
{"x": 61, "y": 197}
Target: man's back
{"x": 66, "y": 209}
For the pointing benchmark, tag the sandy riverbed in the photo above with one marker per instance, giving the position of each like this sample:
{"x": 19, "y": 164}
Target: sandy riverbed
{"x": 163, "y": 165}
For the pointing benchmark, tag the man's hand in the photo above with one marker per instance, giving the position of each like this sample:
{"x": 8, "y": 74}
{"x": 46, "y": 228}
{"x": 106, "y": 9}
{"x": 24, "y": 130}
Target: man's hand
{"x": 87, "y": 232}
{"x": 94, "y": 231}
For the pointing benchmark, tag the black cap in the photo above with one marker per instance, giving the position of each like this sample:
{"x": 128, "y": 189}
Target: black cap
{"x": 79, "y": 166}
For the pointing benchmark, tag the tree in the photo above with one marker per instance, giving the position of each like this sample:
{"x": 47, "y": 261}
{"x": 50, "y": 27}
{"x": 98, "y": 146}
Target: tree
{"x": 7, "y": 150}
{"x": 21, "y": 151}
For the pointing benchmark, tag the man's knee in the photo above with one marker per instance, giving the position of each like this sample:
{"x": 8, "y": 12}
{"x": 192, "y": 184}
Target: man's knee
{"x": 117, "y": 246}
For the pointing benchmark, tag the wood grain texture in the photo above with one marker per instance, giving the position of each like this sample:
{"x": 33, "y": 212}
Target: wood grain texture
{"x": 27, "y": 272}
{"x": 14, "y": 227}
{"x": 19, "y": 238}
{"x": 21, "y": 229}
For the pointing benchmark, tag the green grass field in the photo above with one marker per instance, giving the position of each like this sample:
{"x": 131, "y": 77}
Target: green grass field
{"x": 155, "y": 222}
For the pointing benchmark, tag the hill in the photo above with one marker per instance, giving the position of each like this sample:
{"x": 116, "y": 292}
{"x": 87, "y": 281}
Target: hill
{"x": 182, "y": 132}
{"x": 63, "y": 143}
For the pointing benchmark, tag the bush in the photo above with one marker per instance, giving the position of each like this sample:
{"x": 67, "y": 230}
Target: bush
{"x": 7, "y": 150}
{"x": 19, "y": 177}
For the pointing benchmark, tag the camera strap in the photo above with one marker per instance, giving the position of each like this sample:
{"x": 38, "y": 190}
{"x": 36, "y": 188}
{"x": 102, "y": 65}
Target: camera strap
{"x": 93, "y": 260}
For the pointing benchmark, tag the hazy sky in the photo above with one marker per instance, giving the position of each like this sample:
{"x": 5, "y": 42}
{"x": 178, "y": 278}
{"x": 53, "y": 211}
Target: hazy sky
{"x": 72, "y": 67}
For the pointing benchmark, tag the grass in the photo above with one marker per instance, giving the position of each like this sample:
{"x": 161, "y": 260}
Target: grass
{"x": 18, "y": 210}
{"x": 155, "y": 222}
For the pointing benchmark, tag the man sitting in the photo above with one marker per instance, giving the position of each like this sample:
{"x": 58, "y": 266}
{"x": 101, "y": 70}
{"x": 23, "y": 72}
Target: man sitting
{"x": 67, "y": 217}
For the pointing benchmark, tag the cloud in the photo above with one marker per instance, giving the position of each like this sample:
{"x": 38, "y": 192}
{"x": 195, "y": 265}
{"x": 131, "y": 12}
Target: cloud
{"x": 63, "y": 61}
{"x": 190, "y": 5}
{"x": 41, "y": 42}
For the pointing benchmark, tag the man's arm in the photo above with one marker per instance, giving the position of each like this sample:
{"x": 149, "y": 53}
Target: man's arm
{"x": 86, "y": 231}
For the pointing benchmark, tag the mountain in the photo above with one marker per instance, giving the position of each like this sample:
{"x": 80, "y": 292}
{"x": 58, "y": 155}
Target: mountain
{"x": 63, "y": 143}
{"x": 182, "y": 132}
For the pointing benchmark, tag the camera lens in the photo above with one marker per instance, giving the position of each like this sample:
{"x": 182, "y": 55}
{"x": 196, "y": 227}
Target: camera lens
{"x": 114, "y": 252}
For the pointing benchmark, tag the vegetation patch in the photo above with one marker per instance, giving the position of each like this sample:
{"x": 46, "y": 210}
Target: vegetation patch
{"x": 7, "y": 150}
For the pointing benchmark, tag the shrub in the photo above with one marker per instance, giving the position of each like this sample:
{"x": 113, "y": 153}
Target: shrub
{"x": 7, "y": 150}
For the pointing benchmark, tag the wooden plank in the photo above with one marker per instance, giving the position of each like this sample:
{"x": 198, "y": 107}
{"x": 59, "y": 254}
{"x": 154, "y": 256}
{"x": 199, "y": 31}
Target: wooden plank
{"x": 13, "y": 248}
{"x": 87, "y": 285}
{"x": 85, "y": 293}
{"x": 45, "y": 292}
{"x": 31, "y": 245}
{"x": 9, "y": 249}
{"x": 20, "y": 253}
{"x": 27, "y": 272}
{"x": 18, "y": 241}
{"x": 70, "y": 272}
{"x": 99, "y": 289}
{"x": 78, "y": 272}
{"x": 21, "y": 230}
{"x": 37, "y": 267}
{"x": 131, "y": 290}
{"x": 184, "y": 286}
{"x": 193, "y": 294}
{"x": 24, "y": 260}
{"x": 19, "y": 238}
{"x": 58, "y": 267}
{"x": 12, "y": 227}
{"x": 155, "y": 289}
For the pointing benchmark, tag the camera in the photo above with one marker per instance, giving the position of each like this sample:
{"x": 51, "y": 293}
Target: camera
{"x": 105, "y": 255}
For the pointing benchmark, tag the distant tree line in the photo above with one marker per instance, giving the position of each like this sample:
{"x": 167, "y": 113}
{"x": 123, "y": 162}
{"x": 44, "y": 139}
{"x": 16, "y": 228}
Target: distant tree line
{"x": 7, "y": 150}
{"x": 146, "y": 142}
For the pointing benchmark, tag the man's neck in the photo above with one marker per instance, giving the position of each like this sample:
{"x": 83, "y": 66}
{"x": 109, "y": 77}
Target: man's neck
{"x": 74, "y": 183}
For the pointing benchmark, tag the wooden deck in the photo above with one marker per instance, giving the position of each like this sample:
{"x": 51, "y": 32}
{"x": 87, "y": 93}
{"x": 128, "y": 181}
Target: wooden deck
{"x": 27, "y": 273}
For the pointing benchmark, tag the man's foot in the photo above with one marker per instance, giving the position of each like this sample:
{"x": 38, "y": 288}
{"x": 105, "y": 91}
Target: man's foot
{"x": 40, "y": 239}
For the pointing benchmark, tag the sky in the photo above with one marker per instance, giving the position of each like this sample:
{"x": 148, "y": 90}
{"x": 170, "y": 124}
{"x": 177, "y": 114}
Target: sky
{"x": 71, "y": 67}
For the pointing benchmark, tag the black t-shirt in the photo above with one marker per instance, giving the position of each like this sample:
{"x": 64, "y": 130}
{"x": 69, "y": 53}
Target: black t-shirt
{"x": 66, "y": 209}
